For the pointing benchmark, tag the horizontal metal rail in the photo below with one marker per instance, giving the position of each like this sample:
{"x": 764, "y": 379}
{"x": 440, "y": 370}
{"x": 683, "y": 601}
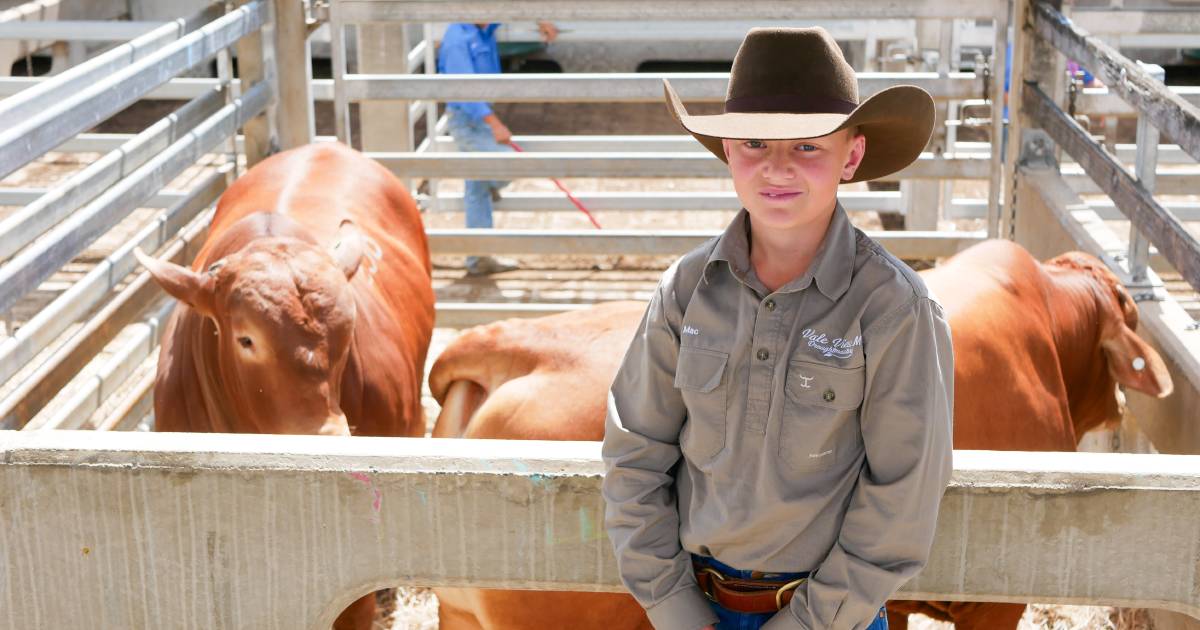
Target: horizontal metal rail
{"x": 80, "y": 404}
{"x": 21, "y": 347}
{"x": 41, "y": 92}
{"x": 639, "y": 164}
{"x": 177, "y": 89}
{"x": 24, "y": 226}
{"x": 1169, "y": 182}
{"x": 908, "y": 244}
{"x": 852, "y": 201}
{"x": 258, "y": 529}
{"x": 22, "y": 404}
{"x": 466, "y": 315}
{"x": 136, "y": 407}
{"x": 23, "y": 196}
{"x": 31, "y": 266}
{"x": 54, "y": 121}
{"x": 1171, "y": 114}
{"x": 104, "y": 142}
{"x": 613, "y": 87}
{"x": 77, "y": 30}
{"x": 1091, "y": 101}
{"x": 359, "y": 11}
{"x": 1173, "y": 240}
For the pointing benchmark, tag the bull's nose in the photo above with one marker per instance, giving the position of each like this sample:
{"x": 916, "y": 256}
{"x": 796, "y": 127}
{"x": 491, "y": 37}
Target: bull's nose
{"x": 335, "y": 425}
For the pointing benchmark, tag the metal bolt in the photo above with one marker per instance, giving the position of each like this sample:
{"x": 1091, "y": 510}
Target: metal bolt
{"x": 829, "y": 395}
{"x": 763, "y": 355}
{"x": 770, "y": 304}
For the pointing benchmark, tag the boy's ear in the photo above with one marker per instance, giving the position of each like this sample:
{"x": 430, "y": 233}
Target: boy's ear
{"x": 858, "y": 150}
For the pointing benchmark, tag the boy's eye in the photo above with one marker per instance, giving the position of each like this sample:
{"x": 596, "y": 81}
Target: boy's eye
{"x": 806, "y": 148}
{"x": 754, "y": 144}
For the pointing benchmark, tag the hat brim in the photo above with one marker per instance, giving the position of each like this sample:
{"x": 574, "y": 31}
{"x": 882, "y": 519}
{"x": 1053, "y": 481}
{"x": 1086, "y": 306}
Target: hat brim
{"x": 896, "y": 121}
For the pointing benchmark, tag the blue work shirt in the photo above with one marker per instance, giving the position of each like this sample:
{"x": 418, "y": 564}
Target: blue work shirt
{"x": 469, "y": 49}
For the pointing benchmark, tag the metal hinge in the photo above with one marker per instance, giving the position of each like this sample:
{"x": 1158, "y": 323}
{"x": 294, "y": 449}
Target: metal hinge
{"x": 318, "y": 12}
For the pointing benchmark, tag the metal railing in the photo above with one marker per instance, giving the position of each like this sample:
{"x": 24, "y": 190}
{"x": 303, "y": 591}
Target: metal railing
{"x": 946, "y": 85}
{"x": 42, "y": 238}
{"x": 1159, "y": 109}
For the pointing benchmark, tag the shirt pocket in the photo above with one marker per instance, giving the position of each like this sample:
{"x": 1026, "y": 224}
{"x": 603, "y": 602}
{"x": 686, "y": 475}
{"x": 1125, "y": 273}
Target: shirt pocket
{"x": 819, "y": 424}
{"x": 700, "y": 376}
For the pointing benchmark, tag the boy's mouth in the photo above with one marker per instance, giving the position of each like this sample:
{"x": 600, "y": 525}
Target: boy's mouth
{"x": 779, "y": 194}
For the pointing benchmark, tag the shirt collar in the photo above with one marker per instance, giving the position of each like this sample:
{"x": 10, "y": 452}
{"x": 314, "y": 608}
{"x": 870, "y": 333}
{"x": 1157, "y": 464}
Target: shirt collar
{"x": 832, "y": 268}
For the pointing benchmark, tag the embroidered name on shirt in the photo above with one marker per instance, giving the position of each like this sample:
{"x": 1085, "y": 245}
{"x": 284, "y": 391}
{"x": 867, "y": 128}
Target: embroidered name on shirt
{"x": 821, "y": 454}
{"x": 688, "y": 330}
{"x": 840, "y": 348}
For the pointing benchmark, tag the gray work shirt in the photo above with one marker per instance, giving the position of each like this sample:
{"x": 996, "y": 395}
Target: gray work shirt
{"x": 813, "y": 423}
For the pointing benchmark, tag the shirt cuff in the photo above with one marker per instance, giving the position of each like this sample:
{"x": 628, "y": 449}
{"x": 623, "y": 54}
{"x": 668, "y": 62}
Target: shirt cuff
{"x": 687, "y": 609}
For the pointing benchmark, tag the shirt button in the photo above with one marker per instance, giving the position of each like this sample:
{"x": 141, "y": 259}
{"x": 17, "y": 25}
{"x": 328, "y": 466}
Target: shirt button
{"x": 770, "y": 304}
{"x": 763, "y": 355}
{"x": 829, "y": 395}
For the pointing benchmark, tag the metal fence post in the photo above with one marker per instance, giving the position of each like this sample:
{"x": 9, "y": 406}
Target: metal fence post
{"x": 293, "y": 68}
{"x": 1036, "y": 61}
{"x": 251, "y": 68}
{"x": 1146, "y": 162}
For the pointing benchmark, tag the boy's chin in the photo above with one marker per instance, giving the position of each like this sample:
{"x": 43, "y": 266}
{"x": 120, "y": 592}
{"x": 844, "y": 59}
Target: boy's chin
{"x": 781, "y": 217}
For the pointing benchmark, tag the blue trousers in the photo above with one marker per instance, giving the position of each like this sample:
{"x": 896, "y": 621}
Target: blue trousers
{"x": 730, "y": 620}
{"x": 475, "y": 135}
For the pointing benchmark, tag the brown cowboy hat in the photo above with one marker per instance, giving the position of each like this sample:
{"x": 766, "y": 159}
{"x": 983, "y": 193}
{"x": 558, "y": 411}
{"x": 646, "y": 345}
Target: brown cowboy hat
{"x": 793, "y": 83}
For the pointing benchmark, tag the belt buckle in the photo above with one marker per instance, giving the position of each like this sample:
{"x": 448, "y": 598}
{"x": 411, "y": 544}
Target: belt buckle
{"x": 786, "y": 587}
{"x": 715, "y": 575}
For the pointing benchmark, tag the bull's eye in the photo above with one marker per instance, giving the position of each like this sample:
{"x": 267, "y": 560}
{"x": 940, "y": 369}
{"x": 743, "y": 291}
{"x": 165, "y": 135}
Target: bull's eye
{"x": 245, "y": 342}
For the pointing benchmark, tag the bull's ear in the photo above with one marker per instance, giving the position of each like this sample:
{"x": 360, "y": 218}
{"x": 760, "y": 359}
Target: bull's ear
{"x": 348, "y": 250}
{"x": 194, "y": 289}
{"x": 1134, "y": 364}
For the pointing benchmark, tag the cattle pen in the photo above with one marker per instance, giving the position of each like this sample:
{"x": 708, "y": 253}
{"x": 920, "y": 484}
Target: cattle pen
{"x": 229, "y": 531}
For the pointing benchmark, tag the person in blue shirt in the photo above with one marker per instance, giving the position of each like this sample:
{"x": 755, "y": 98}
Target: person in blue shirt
{"x": 472, "y": 49}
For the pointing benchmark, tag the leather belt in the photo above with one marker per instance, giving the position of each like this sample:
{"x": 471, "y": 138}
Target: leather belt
{"x": 745, "y": 596}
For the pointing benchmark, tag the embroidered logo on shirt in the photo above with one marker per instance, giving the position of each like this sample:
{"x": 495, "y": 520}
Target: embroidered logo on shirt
{"x": 840, "y": 348}
{"x": 821, "y": 454}
{"x": 688, "y": 330}
{"x": 805, "y": 380}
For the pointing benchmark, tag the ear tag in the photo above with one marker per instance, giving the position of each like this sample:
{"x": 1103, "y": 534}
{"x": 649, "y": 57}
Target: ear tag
{"x": 1139, "y": 364}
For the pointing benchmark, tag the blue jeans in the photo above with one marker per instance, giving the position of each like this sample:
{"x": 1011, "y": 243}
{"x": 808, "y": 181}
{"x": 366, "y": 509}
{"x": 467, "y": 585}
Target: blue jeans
{"x": 475, "y": 135}
{"x": 730, "y": 620}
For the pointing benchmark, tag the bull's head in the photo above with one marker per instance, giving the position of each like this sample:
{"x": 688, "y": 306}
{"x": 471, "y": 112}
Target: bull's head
{"x": 284, "y": 314}
{"x": 1131, "y": 362}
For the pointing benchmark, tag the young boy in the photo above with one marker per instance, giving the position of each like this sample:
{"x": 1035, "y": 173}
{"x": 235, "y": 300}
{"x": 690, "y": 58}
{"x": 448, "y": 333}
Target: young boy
{"x": 778, "y": 436}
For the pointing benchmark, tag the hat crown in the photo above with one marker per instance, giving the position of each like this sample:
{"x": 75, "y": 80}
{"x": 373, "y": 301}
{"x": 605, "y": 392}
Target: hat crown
{"x": 791, "y": 70}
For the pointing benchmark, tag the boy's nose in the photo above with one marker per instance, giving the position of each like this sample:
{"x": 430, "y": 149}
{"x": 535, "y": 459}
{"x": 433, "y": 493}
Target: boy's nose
{"x": 778, "y": 165}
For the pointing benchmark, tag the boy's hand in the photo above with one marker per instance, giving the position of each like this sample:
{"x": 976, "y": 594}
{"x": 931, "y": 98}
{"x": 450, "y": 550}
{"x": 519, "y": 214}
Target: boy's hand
{"x": 549, "y": 31}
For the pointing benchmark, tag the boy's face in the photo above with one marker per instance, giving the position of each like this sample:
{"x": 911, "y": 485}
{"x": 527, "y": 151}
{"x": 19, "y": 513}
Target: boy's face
{"x": 786, "y": 184}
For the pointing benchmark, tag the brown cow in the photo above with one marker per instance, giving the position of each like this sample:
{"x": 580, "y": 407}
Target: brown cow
{"x": 1041, "y": 346}
{"x": 309, "y": 309}
{"x": 534, "y": 379}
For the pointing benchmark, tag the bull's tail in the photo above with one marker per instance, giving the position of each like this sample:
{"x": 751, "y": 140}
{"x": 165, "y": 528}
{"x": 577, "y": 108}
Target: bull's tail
{"x": 463, "y": 398}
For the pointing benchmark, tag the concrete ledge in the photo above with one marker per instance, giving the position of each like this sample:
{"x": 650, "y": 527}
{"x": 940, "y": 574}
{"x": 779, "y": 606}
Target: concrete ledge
{"x": 282, "y": 531}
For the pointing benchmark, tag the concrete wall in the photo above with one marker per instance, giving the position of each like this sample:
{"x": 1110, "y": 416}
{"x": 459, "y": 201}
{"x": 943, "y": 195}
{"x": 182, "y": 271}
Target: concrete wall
{"x": 224, "y": 531}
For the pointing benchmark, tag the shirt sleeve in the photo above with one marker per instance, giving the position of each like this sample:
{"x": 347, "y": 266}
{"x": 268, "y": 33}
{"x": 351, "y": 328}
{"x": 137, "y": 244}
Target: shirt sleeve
{"x": 455, "y": 58}
{"x": 888, "y": 529}
{"x": 641, "y": 450}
